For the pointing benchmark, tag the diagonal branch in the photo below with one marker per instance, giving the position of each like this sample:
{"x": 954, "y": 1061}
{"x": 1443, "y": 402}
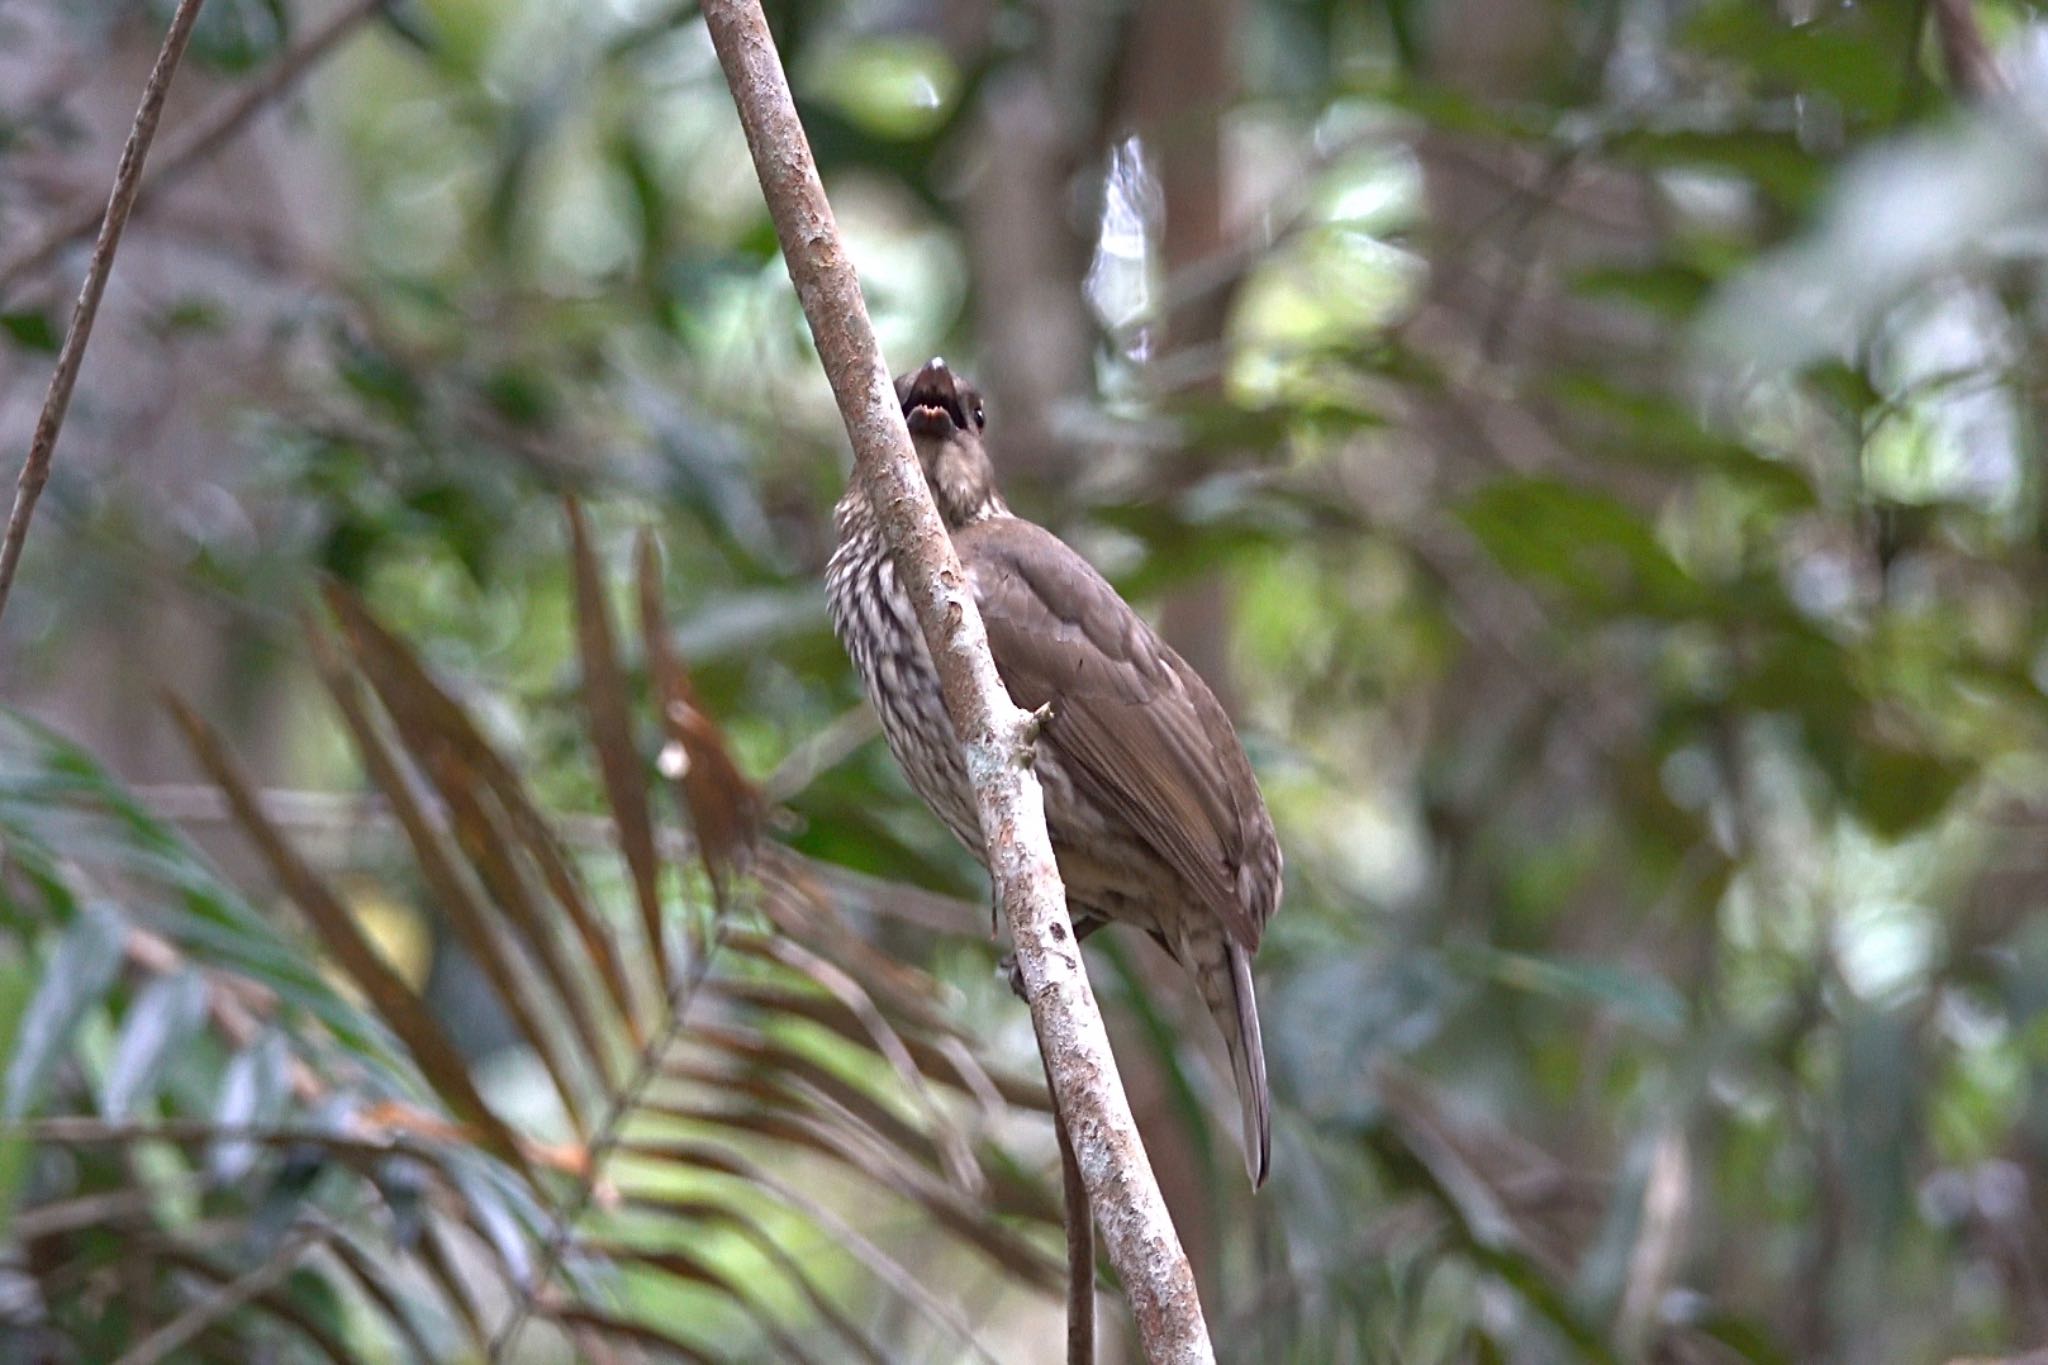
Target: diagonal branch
{"x": 35, "y": 471}
{"x": 1973, "y": 70}
{"x": 1080, "y": 1247}
{"x": 997, "y": 737}
{"x": 225, "y": 1300}
{"x": 204, "y": 136}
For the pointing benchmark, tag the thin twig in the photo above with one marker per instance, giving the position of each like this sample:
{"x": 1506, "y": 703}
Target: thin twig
{"x": 821, "y": 753}
{"x": 200, "y": 139}
{"x": 1080, "y": 1230}
{"x": 35, "y": 472}
{"x": 996, "y": 736}
{"x": 1080, "y": 1246}
{"x": 1973, "y": 71}
{"x": 334, "y": 814}
{"x": 224, "y": 1300}
{"x": 609, "y": 1132}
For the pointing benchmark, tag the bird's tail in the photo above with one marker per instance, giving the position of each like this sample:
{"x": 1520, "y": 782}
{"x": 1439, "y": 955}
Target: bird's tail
{"x": 1226, "y": 987}
{"x": 1248, "y": 1065}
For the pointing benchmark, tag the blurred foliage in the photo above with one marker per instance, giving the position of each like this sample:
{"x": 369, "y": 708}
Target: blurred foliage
{"x": 307, "y": 1156}
{"x": 1613, "y": 427}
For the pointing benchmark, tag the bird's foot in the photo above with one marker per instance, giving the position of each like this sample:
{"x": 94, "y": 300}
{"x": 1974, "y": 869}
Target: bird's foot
{"x": 1034, "y": 728}
{"x": 1008, "y": 968}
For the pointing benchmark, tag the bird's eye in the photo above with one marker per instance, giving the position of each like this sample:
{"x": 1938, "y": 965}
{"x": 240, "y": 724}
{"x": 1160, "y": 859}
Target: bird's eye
{"x": 980, "y": 418}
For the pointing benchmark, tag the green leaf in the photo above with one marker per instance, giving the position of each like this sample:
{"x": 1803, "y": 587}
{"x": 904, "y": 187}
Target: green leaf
{"x": 166, "y": 1014}
{"x": 1846, "y": 386}
{"x": 78, "y": 976}
{"x": 14, "y": 1147}
{"x": 1596, "y": 548}
{"x": 520, "y": 395}
{"x": 252, "y": 1093}
{"x": 413, "y": 24}
{"x": 1640, "y": 998}
{"x": 379, "y": 377}
{"x": 900, "y": 87}
{"x": 1773, "y": 161}
{"x": 1856, "y": 55}
{"x": 1895, "y": 789}
{"x": 52, "y": 793}
{"x": 1670, "y": 289}
{"x": 1653, "y": 429}
{"x": 235, "y": 35}
{"x": 31, "y": 330}
{"x": 1404, "y": 26}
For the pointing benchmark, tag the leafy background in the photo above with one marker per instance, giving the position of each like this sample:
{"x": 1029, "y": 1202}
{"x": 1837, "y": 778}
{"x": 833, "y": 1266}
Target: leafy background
{"x": 1592, "y": 444}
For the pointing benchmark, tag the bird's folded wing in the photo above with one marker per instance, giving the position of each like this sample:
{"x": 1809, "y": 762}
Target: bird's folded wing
{"x": 1135, "y": 726}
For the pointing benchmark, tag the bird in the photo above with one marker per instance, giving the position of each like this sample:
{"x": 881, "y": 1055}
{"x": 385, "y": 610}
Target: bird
{"x": 1156, "y": 817}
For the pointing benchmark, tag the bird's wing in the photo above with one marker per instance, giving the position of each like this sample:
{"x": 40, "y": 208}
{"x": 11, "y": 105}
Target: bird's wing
{"x": 1139, "y": 730}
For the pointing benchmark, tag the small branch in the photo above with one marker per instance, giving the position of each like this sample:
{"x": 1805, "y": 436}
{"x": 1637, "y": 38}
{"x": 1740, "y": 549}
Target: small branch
{"x": 1122, "y": 1192}
{"x": 1973, "y": 72}
{"x": 821, "y": 753}
{"x": 608, "y": 1136}
{"x": 35, "y": 472}
{"x": 1080, "y": 1247}
{"x": 226, "y": 1299}
{"x": 202, "y": 138}
{"x": 336, "y": 814}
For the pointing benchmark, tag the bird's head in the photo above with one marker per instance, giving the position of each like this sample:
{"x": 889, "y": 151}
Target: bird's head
{"x": 945, "y": 417}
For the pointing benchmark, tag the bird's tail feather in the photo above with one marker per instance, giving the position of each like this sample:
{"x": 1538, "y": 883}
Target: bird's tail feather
{"x": 1223, "y": 971}
{"x": 1239, "y": 1018}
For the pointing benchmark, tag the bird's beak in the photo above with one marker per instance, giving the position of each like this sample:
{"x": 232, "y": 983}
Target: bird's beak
{"x": 931, "y": 404}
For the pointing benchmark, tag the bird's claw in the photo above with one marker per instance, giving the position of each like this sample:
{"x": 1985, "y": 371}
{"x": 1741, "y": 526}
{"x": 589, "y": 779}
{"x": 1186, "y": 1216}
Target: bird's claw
{"x": 1035, "y": 722}
{"x": 1008, "y": 968}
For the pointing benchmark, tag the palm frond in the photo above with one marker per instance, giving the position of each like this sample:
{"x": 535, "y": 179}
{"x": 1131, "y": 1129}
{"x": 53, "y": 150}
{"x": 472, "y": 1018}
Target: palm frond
{"x": 744, "y": 1089}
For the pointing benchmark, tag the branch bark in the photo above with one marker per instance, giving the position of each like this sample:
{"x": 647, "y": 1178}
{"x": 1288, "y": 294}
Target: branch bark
{"x": 1080, "y": 1228}
{"x": 35, "y": 471}
{"x": 996, "y": 736}
{"x": 1973, "y": 71}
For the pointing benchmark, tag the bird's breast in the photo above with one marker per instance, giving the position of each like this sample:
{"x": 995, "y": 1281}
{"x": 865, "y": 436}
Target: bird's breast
{"x": 1110, "y": 871}
{"x": 872, "y": 615}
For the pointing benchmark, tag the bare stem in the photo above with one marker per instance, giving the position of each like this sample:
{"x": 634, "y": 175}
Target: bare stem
{"x": 200, "y": 138}
{"x": 1122, "y": 1192}
{"x": 611, "y": 1131}
{"x": 1080, "y": 1248}
{"x": 1973, "y": 70}
{"x": 227, "y": 1299}
{"x": 35, "y": 472}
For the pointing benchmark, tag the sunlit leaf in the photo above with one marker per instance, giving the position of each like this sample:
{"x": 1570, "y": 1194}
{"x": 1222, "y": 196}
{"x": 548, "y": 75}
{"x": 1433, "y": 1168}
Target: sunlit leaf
{"x": 158, "y": 1023}
{"x": 253, "y": 1094}
{"x": 77, "y": 977}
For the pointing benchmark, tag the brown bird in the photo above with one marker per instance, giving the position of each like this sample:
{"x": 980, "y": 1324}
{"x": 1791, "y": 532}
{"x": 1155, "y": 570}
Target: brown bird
{"x": 1156, "y": 819}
